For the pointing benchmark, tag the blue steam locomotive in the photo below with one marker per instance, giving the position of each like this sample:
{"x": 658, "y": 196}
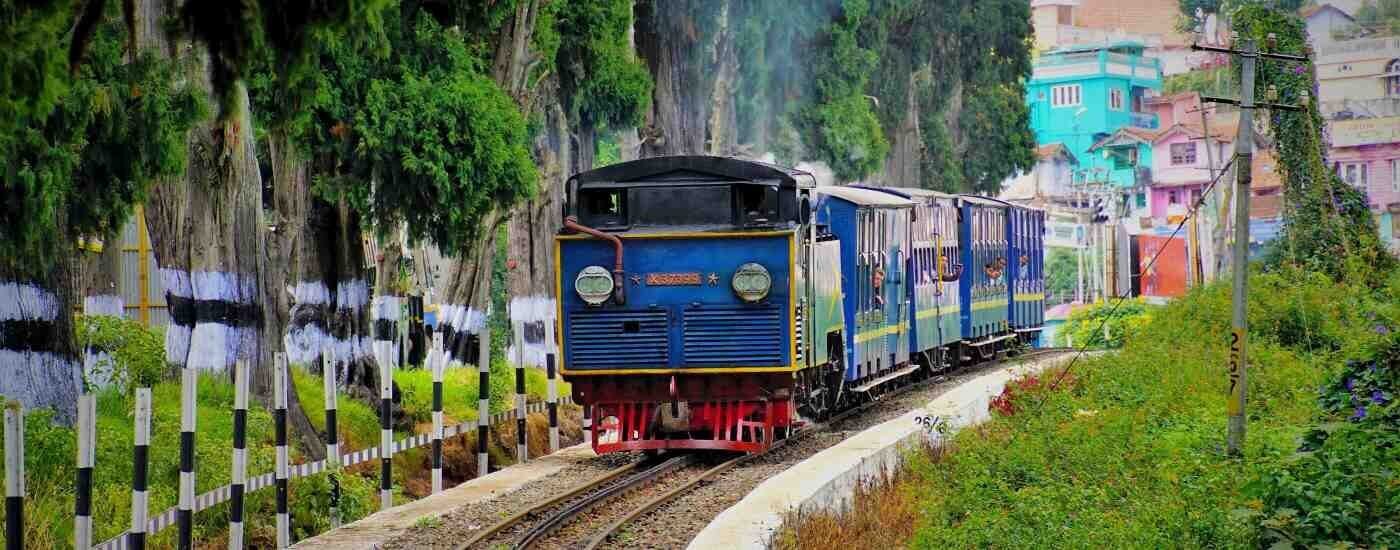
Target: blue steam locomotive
{"x": 708, "y": 302}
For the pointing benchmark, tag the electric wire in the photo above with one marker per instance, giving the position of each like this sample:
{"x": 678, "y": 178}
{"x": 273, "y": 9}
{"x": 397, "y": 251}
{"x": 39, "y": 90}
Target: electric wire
{"x": 1098, "y": 331}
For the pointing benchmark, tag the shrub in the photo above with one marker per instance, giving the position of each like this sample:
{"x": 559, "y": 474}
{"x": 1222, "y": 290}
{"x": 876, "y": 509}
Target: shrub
{"x": 135, "y": 355}
{"x": 1087, "y": 326}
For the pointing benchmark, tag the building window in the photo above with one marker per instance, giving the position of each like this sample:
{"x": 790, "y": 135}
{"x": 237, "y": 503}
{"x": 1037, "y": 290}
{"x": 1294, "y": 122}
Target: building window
{"x": 1395, "y": 175}
{"x": 1354, "y": 173}
{"x": 1183, "y": 153}
{"x": 1392, "y": 78}
{"x": 1064, "y": 15}
{"x": 1064, "y": 96}
{"x": 1173, "y": 197}
{"x": 1115, "y": 99}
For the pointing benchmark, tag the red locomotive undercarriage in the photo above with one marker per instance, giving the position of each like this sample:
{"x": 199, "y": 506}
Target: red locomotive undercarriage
{"x": 729, "y": 412}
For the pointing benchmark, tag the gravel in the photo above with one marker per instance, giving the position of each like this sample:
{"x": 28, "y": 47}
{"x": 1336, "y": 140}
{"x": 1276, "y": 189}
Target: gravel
{"x": 674, "y": 524}
{"x": 455, "y": 527}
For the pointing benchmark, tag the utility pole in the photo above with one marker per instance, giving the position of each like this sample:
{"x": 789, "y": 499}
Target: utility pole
{"x": 1244, "y": 156}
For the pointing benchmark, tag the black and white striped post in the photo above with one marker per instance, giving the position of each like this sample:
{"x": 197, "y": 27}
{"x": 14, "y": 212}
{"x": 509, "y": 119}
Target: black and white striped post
{"x": 436, "y": 361}
{"x": 553, "y": 389}
{"x": 279, "y": 421}
{"x": 522, "y": 450}
{"x": 136, "y": 537}
{"x": 87, "y": 455}
{"x": 240, "y": 455}
{"x": 386, "y": 432}
{"x": 188, "y": 398}
{"x": 483, "y": 404}
{"x": 14, "y": 476}
{"x": 332, "y": 435}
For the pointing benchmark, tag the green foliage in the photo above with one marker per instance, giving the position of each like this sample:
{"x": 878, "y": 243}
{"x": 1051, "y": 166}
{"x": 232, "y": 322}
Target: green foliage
{"x": 1383, "y": 15}
{"x": 1106, "y": 324}
{"x": 32, "y": 70}
{"x": 1327, "y": 222}
{"x": 1217, "y": 81}
{"x": 1061, "y": 272}
{"x": 420, "y": 135}
{"x": 1126, "y": 453}
{"x": 357, "y": 422}
{"x": 840, "y": 126}
{"x": 135, "y": 354}
{"x": 604, "y": 83}
{"x": 82, "y": 153}
{"x": 1342, "y": 486}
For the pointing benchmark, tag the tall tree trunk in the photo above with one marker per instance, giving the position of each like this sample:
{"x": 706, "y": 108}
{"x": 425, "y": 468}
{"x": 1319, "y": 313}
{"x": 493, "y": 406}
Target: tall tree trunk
{"x": 466, "y": 297}
{"x": 39, "y": 363}
{"x": 530, "y": 233}
{"x": 209, "y": 234}
{"x": 692, "y": 103}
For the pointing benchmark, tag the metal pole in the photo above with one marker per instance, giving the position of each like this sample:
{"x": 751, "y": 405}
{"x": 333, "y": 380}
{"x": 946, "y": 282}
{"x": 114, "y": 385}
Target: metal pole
{"x": 553, "y": 395}
{"x": 436, "y": 361}
{"x": 522, "y": 450}
{"x": 240, "y": 455}
{"x": 483, "y": 411}
{"x": 14, "y": 475}
{"x": 184, "y": 516}
{"x": 385, "y": 356}
{"x": 332, "y": 438}
{"x": 279, "y": 418}
{"x": 1244, "y": 153}
{"x": 87, "y": 457}
{"x": 140, "y": 454}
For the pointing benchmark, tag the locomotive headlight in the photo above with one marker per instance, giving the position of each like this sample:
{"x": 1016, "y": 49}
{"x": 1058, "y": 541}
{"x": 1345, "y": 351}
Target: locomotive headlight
{"x": 752, "y": 282}
{"x": 594, "y": 284}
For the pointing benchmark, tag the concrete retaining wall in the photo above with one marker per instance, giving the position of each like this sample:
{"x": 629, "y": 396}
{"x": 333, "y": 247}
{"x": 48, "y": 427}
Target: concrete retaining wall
{"x": 827, "y": 480}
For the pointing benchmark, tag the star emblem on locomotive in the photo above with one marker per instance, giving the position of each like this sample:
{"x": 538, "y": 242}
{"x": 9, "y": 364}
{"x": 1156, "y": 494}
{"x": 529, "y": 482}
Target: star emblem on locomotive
{"x": 713, "y": 279}
{"x": 636, "y": 280}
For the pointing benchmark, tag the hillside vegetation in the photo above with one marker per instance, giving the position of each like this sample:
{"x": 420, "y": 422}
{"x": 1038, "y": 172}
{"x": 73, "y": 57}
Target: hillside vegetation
{"x": 1127, "y": 451}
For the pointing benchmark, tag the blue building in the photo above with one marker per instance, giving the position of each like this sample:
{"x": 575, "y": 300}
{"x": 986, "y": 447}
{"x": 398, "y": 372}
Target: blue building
{"x": 1082, "y": 95}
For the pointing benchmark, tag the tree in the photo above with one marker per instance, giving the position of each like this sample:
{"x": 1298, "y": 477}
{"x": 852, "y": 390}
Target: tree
{"x": 79, "y": 149}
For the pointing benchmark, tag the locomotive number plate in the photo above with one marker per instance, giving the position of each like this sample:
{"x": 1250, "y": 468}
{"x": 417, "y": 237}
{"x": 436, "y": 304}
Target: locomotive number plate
{"x": 673, "y": 279}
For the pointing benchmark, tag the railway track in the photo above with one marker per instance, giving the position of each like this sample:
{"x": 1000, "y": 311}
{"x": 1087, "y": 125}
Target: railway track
{"x": 530, "y": 527}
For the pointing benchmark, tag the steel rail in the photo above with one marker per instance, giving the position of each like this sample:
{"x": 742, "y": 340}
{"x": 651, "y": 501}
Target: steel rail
{"x": 653, "y": 472}
{"x": 636, "y": 481}
{"x": 727, "y": 465}
{"x": 509, "y": 522}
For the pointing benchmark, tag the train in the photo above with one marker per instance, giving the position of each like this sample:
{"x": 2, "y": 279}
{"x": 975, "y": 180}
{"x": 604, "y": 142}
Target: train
{"x": 716, "y": 303}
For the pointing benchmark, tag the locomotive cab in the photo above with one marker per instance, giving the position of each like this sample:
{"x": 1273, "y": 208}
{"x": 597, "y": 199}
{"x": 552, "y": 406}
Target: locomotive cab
{"x": 679, "y": 284}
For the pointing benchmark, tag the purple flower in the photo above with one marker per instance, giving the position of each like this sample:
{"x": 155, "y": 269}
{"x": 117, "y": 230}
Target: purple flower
{"x": 1349, "y": 384}
{"x": 1382, "y": 330}
{"x": 1360, "y": 413}
{"x": 1299, "y": 69}
{"x": 1378, "y": 397}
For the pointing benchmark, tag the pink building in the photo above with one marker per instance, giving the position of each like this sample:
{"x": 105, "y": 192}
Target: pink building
{"x": 1366, "y": 153}
{"x": 1174, "y": 109}
{"x": 1181, "y": 165}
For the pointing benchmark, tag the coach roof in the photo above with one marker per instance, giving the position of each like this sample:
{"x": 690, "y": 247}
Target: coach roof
{"x": 864, "y": 197}
{"x": 691, "y": 170}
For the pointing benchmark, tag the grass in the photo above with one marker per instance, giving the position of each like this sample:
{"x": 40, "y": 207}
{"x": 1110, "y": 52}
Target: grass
{"x": 50, "y": 452}
{"x": 1128, "y": 453}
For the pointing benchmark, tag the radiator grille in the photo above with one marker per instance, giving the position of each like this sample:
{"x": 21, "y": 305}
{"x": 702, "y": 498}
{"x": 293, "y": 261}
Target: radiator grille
{"x": 734, "y": 336}
{"x": 617, "y": 339}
